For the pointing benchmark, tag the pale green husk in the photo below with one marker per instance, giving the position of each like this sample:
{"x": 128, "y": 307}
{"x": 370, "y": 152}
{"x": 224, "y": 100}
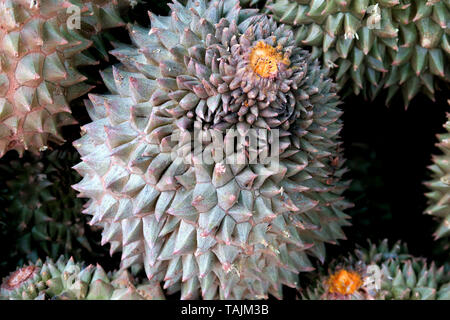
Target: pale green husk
{"x": 220, "y": 230}
{"x": 439, "y": 186}
{"x": 41, "y": 48}
{"x": 69, "y": 280}
{"x": 402, "y": 276}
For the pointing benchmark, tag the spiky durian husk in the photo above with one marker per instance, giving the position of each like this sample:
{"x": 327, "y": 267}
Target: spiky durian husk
{"x": 409, "y": 50}
{"x": 39, "y": 55}
{"x": 439, "y": 195}
{"x": 222, "y": 230}
{"x": 403, "y": 277}
{"x": 41, "y": 210}
{"x": 69, "y": 280}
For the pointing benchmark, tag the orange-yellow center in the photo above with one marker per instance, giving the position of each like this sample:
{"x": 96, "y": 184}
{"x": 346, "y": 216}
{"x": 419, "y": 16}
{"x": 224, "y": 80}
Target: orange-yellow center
{"x": 20, "y": 276}
{"x": 264, "y": 59}
{"x": 344, "y": 282}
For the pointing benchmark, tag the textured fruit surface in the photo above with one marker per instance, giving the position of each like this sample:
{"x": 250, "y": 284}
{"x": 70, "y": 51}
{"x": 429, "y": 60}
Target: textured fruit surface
{"x": 374, "y": 45}
{"x": 344, "y": 282}
{"x": 69, "y": 280}
{"x": 40, "y": 48}
{"x": 439, "y": 194}
{"x": 220, "y": 229}
{"x": 382, "y": 273}
{"x": 41, "y": 211}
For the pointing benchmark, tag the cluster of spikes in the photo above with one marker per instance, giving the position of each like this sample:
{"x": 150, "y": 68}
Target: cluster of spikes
{"x": 222, "y": 229}
{"x": 439, "y": 194}
{"x": 381, "y": 273}
{"x": 41, "y": 47}
{"x": 69, "y": 280}
{"x": 42, "y": 211}
{"x": 374, "y": 45}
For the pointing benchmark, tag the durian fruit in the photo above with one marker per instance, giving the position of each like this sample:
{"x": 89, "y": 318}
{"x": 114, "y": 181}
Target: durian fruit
{"x": 40, "y": 50}
{"x": 69, "y": 280}
{"x": 373, "y": 45}
{"x": 382, "y": 273}
{"x": 41, "y": 211}
{"x": 249, "y": 3}
{"x": 439, "y": 194}
{"x": 227, "y": 228}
